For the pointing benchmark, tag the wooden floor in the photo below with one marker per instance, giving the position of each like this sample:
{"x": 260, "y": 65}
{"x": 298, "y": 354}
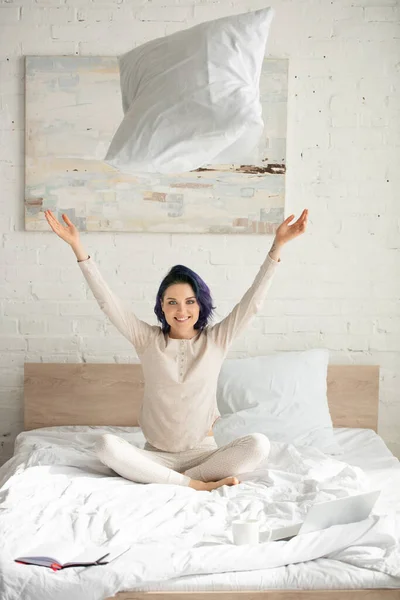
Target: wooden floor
{"x": 366, "y": 594}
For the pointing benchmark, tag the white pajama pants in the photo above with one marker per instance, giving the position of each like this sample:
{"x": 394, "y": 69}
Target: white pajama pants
{"x": 206, "y": 462}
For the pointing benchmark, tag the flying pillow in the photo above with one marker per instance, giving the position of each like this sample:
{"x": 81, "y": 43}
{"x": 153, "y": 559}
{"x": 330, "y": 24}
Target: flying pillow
{"x": 192, "y": 98}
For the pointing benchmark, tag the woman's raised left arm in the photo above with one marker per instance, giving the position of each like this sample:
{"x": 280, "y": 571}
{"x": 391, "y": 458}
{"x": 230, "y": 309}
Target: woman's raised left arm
{"x": 286, "y": 232}
{"x": 226, "y": 330}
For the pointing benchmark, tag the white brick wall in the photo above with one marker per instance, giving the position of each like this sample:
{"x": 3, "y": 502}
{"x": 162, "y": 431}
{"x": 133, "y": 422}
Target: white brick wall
{"x": 339, "y": 286}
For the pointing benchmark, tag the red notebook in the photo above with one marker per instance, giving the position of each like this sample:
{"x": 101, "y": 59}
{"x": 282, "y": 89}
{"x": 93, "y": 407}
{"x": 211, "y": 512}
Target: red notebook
{"x": 56, "y": 556}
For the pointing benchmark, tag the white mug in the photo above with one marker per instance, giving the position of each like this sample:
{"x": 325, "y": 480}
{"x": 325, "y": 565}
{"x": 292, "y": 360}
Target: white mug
{"x": 245, "y": 531}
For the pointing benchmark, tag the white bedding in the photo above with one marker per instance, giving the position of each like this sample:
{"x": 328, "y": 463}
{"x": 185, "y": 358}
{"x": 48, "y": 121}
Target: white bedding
{"x": 54, "y": 488}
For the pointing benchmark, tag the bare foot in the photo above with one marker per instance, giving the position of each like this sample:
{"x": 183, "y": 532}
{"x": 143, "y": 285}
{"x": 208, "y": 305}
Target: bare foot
{"x": 212, "y": 485}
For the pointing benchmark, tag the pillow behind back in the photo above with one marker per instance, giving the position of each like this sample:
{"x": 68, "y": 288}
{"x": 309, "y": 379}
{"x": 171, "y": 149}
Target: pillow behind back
{"x": 283, "y": 396}
{"x": 192, "y": 98}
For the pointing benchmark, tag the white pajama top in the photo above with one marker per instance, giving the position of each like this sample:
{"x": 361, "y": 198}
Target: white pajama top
{"x": 179, "y": 403}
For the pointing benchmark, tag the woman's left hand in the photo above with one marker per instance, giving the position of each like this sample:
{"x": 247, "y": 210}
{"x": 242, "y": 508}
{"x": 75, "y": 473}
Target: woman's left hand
{"x": 286, "y": 232}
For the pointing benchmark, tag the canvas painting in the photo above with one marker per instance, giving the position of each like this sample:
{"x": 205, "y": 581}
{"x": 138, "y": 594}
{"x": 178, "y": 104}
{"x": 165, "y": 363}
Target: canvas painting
{"x": 73, "y": 108}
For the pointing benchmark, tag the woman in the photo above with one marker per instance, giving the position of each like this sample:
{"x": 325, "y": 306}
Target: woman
{"x": 181, "y": 362}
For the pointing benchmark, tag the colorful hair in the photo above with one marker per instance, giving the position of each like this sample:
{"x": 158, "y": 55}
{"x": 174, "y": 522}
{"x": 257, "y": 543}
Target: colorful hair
{"x": 182, "y": 274}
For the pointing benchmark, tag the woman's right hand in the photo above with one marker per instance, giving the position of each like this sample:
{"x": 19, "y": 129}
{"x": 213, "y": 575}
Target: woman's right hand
{"x": 69, "y": 234}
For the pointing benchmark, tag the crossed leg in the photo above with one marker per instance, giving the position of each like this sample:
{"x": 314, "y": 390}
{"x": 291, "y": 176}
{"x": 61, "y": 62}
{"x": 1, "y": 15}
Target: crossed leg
{"x": 240, "y": 456}
{"x": 200, "y": 469}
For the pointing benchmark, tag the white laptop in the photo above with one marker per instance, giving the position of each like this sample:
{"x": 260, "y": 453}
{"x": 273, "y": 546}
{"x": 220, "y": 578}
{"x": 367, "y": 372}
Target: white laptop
{"x": 322, "y": 515}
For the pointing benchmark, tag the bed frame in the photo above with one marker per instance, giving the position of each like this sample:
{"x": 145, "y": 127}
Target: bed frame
{"x": 110, "y": 394}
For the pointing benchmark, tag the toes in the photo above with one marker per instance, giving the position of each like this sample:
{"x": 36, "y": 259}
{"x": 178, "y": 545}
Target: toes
{"x": 232, "y": 480}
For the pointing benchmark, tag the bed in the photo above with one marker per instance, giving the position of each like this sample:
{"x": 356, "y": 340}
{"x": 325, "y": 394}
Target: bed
{"x": 68, "y": 402}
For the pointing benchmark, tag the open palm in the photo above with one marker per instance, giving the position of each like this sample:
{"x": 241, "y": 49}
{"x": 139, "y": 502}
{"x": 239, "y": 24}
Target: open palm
{"x": 287, "y": 232}
{"x": 68, "y": 233}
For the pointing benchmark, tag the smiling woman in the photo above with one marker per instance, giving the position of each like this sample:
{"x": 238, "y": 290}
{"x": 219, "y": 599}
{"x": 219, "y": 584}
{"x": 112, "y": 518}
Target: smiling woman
{"x": 181, "y": 363}
{"x": 184, "y": 305}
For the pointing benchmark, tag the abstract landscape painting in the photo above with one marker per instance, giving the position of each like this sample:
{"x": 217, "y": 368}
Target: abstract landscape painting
{"x": 73, "y": 108}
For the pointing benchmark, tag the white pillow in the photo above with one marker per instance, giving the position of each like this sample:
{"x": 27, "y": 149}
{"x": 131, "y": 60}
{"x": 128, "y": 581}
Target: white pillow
{"x": 283, "y": 396}
{"x": 192, "y": 98}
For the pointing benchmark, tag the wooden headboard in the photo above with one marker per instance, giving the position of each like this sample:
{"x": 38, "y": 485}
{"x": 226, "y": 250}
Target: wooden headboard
{"x": 110, "y": 394}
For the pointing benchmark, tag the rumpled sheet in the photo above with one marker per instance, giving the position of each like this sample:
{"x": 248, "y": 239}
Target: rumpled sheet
{"x": 54, "y": 488}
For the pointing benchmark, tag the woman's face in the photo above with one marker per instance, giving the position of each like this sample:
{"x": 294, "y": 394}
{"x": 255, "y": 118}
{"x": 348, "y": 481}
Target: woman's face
{"x": 181, "y": 309}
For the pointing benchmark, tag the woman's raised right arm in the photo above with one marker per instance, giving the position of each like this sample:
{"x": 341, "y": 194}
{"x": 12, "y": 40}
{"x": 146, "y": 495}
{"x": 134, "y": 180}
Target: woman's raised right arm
{"x": 138, "y": 332}
{"x": 69, "y": 234}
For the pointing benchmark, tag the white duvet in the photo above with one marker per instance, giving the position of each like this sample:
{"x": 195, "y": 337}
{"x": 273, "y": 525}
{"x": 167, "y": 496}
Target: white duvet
{"x": 54, "y": 489}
